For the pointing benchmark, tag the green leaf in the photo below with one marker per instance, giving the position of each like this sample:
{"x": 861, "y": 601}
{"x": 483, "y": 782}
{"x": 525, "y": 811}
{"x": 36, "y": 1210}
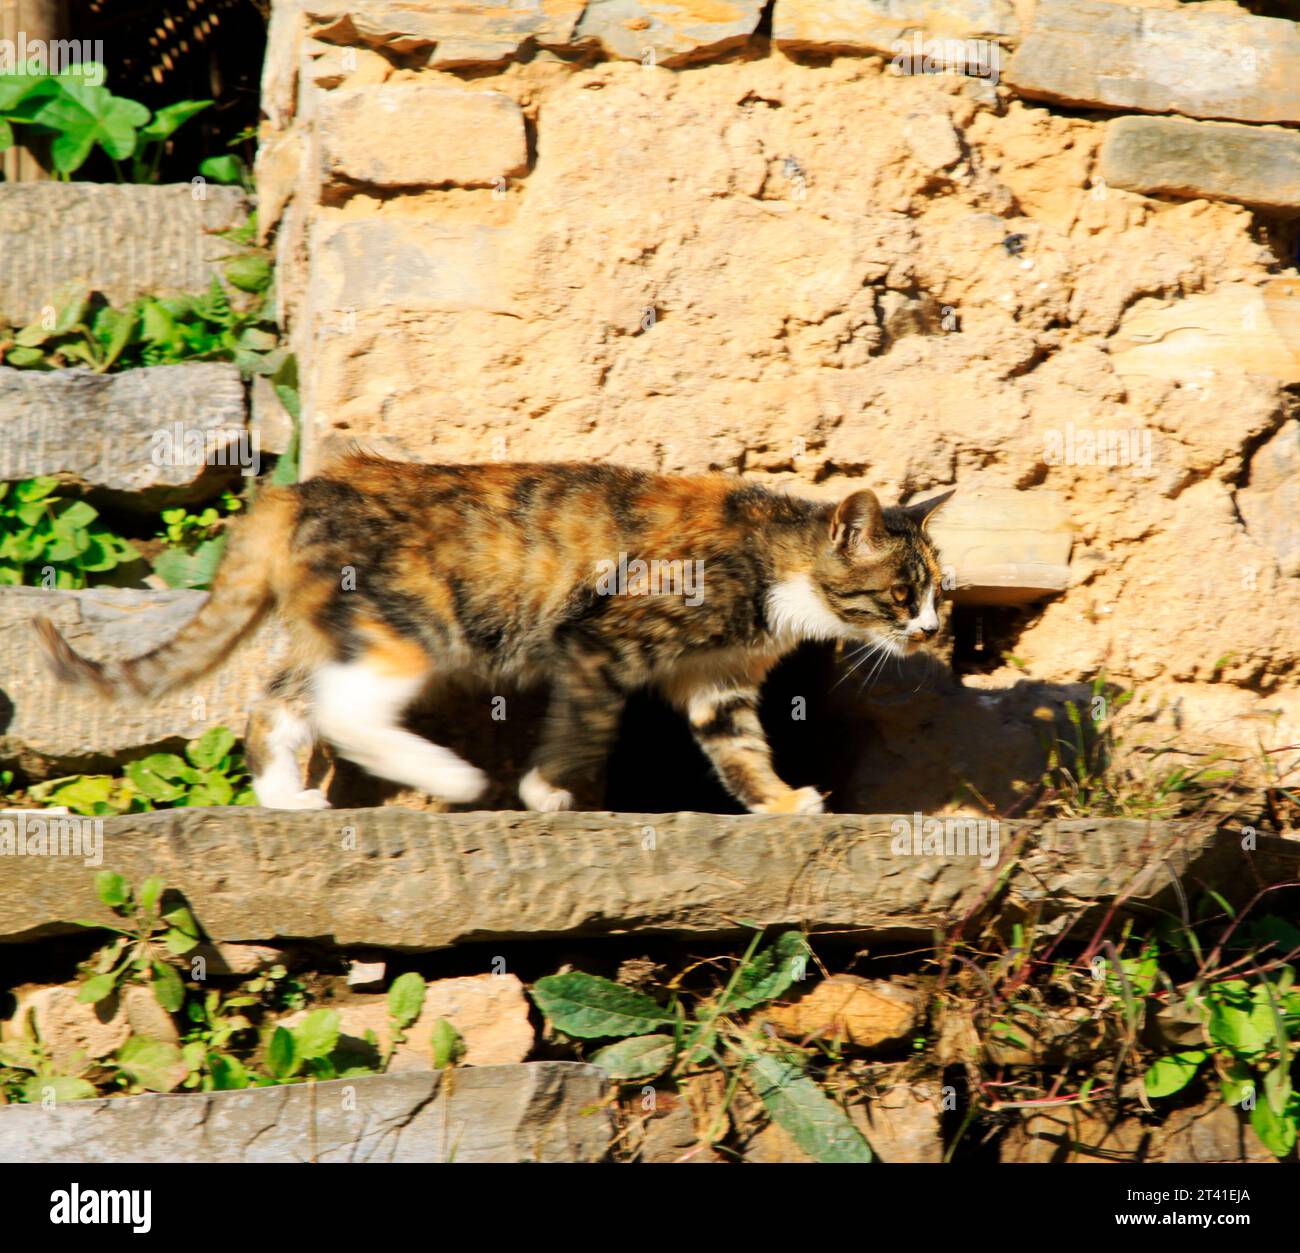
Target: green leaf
{"x": 178, "y": 567}
{"x": 6, "y": 135}
{"x": 1238, "y": 1029}
{"x": 26, "y": 359}
{"x": 1277, "y": 1131}
{"x": 170, "y": 117}
{"x": 61, "y": 1087}
{"x": 1167, "y": 1075}
{"x": 182, "y": 920}
{"x": 590, "y": 1007}
{"x": 85, "y": 115}
{"x": 406, "y": 999}
{"x": 36, "y": 489}
{"x": 771, "y": 972}
{"x": 1239, "y": 1081}
{"x": 641, "y": 1057}
{"x": 222, "y": 169}
{"x": 228, "y": 1073}
{"x": 77, "y": 514}
{"x": 168, "y": 990}
{"x": 251, "y": 272}
{"x": 160, "y": 777}
{"x": 34, "y": 335}
{"x": 317, "y": 1035}
{"x": 815, "y": 1123}
{"x": 154, "y": 1064}
{"x": 21, "y": 1054}
{"x": 448, "y": 1045}
{"x": 210, "y": 747}
{"x": 112, "y": 889}
{"x": 119, "y": 329}
{"x": 281, "y": 1054}
{"x": 15, "y": 88}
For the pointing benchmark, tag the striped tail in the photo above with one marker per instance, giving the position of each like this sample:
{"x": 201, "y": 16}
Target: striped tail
{"x": 242, "y": 592}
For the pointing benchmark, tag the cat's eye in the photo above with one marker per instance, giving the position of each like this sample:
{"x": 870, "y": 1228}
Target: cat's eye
{"x": 899, "y": 593}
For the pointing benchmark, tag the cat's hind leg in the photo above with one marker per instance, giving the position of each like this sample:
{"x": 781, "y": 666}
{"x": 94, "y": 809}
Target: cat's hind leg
{"x": 357, "y": 707}
{"x": 278, "y": 729}
{"x": 581, "y": 722}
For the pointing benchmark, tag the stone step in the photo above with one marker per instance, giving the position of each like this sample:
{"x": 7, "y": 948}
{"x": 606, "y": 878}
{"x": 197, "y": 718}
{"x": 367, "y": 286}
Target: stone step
{"x": 531, "y": 1112}
{"x": 1176, "y": 60}
{"x": 395, "y": 878}
{"x": 150, "y": 438}
{"x": 122, "y": 240}
{"x": 50, "y": 729}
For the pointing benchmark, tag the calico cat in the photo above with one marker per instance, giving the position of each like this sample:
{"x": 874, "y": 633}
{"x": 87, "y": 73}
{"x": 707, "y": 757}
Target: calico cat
{"x": 599, "y": 579}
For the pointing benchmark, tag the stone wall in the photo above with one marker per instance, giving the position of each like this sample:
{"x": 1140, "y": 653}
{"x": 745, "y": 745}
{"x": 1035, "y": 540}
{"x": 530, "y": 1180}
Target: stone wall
{"x": 774, "y": 240}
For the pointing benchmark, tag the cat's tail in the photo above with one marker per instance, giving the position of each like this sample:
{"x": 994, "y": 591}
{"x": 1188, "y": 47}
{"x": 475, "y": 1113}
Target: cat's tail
{"x": 242, "y": 592}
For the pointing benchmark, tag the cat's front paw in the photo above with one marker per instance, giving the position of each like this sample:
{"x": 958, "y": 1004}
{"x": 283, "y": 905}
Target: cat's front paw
{"x": 803, "y": 800}
{"x": 543, "y": 797}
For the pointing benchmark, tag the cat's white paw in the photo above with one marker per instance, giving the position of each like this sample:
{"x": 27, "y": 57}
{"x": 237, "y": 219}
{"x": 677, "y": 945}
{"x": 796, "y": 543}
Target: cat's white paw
{"x": 459, "y": 784}
{"x": 309, "y": 798}
{"x": 804, "y": 800}
{"x": 543, "y": 797}
{"x": 808, "y": 800}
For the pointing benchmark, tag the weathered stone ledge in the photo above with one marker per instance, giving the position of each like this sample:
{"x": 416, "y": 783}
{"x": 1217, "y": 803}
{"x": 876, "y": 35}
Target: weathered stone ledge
{"x": 654, "y": 32}
{"x": 533, "y": 1112}
{"x": 394, "y": 878}
{"x": 153, "y": 437}
{"x": 47, "y": 728}
{"x": 1166, "y": 156}
{"x": 1178, "y": 60}
{"x": 124, "y": 241}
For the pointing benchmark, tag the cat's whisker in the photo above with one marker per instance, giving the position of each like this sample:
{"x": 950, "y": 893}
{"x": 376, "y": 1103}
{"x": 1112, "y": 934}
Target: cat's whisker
{"x": 862, "y": 654}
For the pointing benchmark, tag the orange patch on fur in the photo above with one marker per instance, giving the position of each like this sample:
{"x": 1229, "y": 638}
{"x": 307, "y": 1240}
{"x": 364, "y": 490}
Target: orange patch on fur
{"x": 390, "y": 653}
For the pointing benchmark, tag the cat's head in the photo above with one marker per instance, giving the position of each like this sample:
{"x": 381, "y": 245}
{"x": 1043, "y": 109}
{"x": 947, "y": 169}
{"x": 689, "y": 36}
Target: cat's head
{"x": 878, "y": 572}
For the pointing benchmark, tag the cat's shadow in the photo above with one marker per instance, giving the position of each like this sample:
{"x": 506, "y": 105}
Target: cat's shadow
{"x": 913, "y": 739}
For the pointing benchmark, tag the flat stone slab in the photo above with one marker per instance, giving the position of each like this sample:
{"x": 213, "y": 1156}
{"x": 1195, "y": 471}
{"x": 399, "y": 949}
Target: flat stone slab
{"x": 1161, "y": 156}
{"x": 458, "y": 34}
{"x": 49, "y": 729}
{"x": 532, "y": 1112}
{"x": 445, "y": 267}
{"x": 661, "y": 32}
{"x": 1001, "y": 546}
{"x": 1178, "y": 60}
{"x": 889, "y": 26}
{"x": 154, "y": 437}
{"x": 123, "y": 240}
{"x": 424, "y": 129}
{"x": 395, "y": 878}
{"x": 1239, "y": 328}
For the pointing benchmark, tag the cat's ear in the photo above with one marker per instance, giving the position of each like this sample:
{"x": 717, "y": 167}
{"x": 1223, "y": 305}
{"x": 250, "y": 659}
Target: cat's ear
{"x": 857, "y": 523}
{"x": 920, "y": 511}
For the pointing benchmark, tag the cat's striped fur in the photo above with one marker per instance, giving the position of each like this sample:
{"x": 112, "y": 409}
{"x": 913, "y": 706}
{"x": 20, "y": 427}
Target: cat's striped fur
{"x": 389, "y": 574}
